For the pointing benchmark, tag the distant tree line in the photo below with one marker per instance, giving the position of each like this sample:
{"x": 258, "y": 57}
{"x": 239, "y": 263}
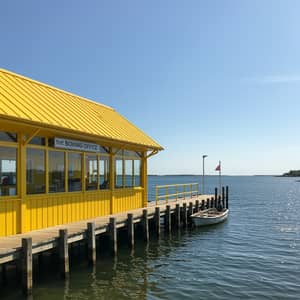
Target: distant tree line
{"x": 292, "y": 173}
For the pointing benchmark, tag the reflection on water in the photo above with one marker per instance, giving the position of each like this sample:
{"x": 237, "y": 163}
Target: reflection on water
{"x": 255, "y": 254}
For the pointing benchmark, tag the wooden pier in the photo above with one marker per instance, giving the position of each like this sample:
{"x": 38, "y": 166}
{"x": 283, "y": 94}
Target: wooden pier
{"x": 20, "y": 248}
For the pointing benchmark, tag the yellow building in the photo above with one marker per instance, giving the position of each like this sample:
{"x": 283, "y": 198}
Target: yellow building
{"x": 64, "y": 158}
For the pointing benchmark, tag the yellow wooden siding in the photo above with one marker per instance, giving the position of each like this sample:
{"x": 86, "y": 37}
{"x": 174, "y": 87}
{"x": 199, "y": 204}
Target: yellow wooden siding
{"x": 49, "y": 210}
{"x": 126, "y": 199}
{"x": 9, "y": 216}
{"x": 39, "y": 104}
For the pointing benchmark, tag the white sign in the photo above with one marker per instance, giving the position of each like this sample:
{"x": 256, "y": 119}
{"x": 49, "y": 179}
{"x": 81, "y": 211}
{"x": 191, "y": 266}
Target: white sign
{"x": 75, "y": 145}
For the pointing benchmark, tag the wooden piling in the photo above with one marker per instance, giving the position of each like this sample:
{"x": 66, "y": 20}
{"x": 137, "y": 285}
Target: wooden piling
{"x": 202, "y": 205}
{"x": 212, "y": 202}
{"x": 113, "y": 235}
{"x": 190, "y": 210}
{"x": 216, "y": 195}
{"x": 184, "y": 214}
{"x": 227, "y": 196}
{"x": 145, "y": 224}
{"x": 219, "y": 202}
{"x": 168, "y": 218}
{"x": 197, "y": 206}
{"x": 207, "y": 203}
{"x": 91, "y": 241}
{"x": 63, "y": 253}
{"x": 157, "y": 220}
{"x": 130, "y": 230}
{"x": 27, "y": 265}
{"x": 177, "y": 215}
{"x": 223, "y": 197}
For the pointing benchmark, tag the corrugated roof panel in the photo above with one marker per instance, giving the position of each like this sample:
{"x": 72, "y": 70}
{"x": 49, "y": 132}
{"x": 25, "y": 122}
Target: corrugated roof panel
{"x": 23, "y": 98}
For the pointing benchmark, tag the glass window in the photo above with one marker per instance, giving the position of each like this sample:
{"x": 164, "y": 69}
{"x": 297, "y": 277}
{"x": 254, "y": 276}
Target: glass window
{"x": 35, "y": 171}
{"x": 74, "y": 172}
{"x": 37, "y": 141}
{"x": 137, "y": 173}
{"x": 56, "y": 171}
{"x": 128, "y": 173}
{"x": 8, "y": 136}
{"x": 8, "y": 171}
{"x": 91, "y": 172}
{"x": 119, "y": 173}
{"x": 104, "y": 173}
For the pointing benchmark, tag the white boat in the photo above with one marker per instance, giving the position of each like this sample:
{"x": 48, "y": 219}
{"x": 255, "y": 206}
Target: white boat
{"x": 209, "y": 216}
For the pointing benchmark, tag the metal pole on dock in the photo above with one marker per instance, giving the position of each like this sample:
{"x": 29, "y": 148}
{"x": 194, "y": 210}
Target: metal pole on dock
{"x": 203, "y": 173}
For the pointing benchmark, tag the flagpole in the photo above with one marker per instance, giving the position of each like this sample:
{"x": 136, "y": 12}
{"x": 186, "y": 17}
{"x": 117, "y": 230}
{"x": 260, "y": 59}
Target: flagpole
{"x": 220, "y": 176}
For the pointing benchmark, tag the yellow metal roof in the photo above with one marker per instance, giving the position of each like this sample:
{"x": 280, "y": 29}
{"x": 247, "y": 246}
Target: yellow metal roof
{"x": 25, "y": 99}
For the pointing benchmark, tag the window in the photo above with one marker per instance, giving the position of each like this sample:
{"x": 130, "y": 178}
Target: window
{"x": 35, "y": 171}
{"x": 91, "y": 172}
{"x": 137, "y": 172}
{"x": 8, "y": 171}
{"x": 104, "y": 173}
{"x": 56, "y": 171}
{"x": 119, "y": 173}
{"x": 37, "y": 141}
{"x": 74, "y": 172}
{"x": 8, "y": 136}
{"x": 128, "y": 169}
{"x": 128, "y": 173}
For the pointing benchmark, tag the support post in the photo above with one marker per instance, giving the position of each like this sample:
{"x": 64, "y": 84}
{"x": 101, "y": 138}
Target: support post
{"x": 207, "y": 202}
{"x": 177, "y": 215}
{"x": 157, "y": 220}
{"x": 145, "y": 223}
{"x": 219, "y": 202}
{"x": 113, "y": 236}
{"x": 91, "y": 241}
{"x": 202, "y": 204}
{"x": 212, "y": 202}
{"x": 168, "y": 218}
{"x": 216, "y": 194}
{"x": 27, "y": 265}
{"x": 223, "y": 197}
{"x": 63, "y": 253}
{"x": 184, "y": 214}
{"x": 197, "y": 206}
{"x": 227, "y": 196}
{"x": 190, "y": 211}
{"x": 130, "y": 230}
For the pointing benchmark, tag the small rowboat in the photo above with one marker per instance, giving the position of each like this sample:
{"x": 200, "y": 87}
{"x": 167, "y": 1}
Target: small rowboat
{"x": 209, "y": 216}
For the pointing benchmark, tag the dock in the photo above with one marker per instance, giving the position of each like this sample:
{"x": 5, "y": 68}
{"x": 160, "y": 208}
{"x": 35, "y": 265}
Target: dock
{"x": 171, "y": 214}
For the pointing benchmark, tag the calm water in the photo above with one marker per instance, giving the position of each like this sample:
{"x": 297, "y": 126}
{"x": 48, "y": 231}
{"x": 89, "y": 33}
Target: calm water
{"x": 255, "y": 254}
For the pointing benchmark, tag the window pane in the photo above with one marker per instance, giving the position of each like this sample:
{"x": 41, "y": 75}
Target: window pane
{"x": 128, "y": 173}
{"x": 56, "y": 171}
{"x": 137, "y": 173}
{"x": 8, "y": 171}
{"x": 74, "y": 179}
{"x": 119, "y": 173}
{"x": 35, "y": 171}
{"x": 8, "y": 136}
{"x": 91, "y": 172}
{"x": 37, "y": 141}
{"x": 104, "y": 173}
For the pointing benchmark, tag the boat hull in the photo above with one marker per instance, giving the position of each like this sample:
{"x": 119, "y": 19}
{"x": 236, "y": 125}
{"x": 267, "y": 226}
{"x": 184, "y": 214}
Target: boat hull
{"x": 209, "y": 217}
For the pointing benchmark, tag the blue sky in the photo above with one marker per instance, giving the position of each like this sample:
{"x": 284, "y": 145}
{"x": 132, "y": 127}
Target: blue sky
{"x": 220, "y": 78}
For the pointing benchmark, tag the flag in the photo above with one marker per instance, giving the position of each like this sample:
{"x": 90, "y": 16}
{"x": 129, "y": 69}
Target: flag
{"x": 218, "y": 168}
